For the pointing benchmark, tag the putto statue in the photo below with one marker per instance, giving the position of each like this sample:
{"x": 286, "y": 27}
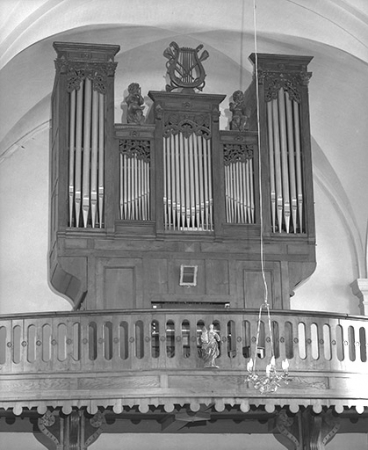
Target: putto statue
{"x": 135, "y": 104}
{"x": 210, "y": 348}
{"x": 240, "y": 112}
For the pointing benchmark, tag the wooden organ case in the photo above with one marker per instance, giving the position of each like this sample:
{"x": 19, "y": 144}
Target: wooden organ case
{"x": 167, "y": 210}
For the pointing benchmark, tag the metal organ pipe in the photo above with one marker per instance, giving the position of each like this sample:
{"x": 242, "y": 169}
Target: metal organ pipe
{"x": 94, "y": 166}
{"x": 71, "y": 155}
{"x": 78, "y": 154}
{"x": 239, "y": 191}
{"x": 272, "y": 165}
{"x": 188, "y": 183}
{"x": 277, "y": 155}
{"x": 298, "y": 164}
{"x": 284, "y": 160}
{"x": 101, "y": 157}
{"x": 290, "y": 140}
{"x": 285, "y": 164}
{"x": 86, "y": 151}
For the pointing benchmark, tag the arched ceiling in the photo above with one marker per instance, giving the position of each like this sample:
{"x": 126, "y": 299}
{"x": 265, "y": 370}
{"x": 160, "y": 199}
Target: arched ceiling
{"x": 334, "y": 32}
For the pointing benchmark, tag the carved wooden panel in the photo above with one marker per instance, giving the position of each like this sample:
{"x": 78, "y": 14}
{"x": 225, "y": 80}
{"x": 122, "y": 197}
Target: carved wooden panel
{"x": 119, "y": 283}
{"x": 250, "y": 284}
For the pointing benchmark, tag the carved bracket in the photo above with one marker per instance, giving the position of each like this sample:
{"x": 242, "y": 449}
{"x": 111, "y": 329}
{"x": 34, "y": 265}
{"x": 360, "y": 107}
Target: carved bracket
{"x": 74, "y": 431}
{"x": 306, "y": 430}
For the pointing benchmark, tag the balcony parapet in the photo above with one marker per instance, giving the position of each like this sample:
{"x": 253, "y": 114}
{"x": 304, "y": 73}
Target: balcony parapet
{"x": 153, "y": 357}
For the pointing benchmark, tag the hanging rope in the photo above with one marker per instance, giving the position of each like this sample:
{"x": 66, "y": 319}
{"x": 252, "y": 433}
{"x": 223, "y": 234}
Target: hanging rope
{"x": 265, "y": 303}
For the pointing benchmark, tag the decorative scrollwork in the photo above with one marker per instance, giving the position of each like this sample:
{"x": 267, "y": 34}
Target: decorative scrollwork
{"x": 187, "y": 124}
{"x": 237, "y": 153}
{"x": 285, "y": 425}
{"x": 47, "y": 419}
{"x": 291, "y": 82}
{"x": 135, "y": 147}
{"x": 97, "y": 420}
{"x": 78, "y": 71}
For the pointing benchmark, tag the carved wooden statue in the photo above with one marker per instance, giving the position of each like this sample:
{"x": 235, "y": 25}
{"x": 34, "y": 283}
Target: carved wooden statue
{"x": 240, "y": 112}
{"x": 210, "y": 348}
{"x": 135, "y": 104}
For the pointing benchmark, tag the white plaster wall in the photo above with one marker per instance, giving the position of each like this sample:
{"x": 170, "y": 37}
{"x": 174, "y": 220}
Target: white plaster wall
{"x": 328, "y": 289}
{"x": 24, "y": 231}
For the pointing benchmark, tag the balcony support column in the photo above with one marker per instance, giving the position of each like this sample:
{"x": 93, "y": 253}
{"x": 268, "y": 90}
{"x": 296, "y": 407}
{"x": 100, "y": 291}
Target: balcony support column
{"x": 306, "y": 430}
{"x": 76, "y": 431}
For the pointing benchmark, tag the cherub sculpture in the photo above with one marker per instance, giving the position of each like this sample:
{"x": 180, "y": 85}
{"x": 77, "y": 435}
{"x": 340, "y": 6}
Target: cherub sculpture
{"x": 135, "y": 104}
{"x": 240, "y": 112}
{"x": 210, "y": 348}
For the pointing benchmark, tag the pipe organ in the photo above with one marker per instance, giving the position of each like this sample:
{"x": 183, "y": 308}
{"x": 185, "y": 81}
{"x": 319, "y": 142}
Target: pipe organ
{"x": 134, "y": 179}
{"x": 86, "y": 156}
{"x": 133, "y": 203}
{"x": 239, "y": 183}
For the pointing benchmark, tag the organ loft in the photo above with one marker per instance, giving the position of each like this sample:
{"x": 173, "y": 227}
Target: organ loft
{"x": 179, "y": 235}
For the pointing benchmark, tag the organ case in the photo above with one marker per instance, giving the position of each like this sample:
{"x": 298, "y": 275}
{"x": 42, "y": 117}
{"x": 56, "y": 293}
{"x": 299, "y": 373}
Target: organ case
{"x": 133, "y": 203}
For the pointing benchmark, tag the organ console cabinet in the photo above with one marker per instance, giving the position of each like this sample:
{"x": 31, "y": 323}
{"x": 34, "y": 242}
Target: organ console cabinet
{"x": 136, "y": 205}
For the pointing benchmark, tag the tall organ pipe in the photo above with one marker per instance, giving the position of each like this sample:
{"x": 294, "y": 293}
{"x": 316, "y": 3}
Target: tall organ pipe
{"x": 78, "y": 154}
{"x": 284, "y": 160}
{"x": 71, "y": 155}
{"x": 86, "y": 151}
{"x": 290, "y": 135}
{"x": 94, "y": 167}
{"x": 101, "y": 157}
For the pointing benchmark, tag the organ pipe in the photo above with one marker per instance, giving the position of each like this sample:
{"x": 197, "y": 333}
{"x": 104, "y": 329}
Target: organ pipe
{"x": 272, "y": 165}
{"x": 285, "y": 164}
{"x": 239, "y": 190}
{"x": 94, "y": 166}
{"x": 135, "y": 183}
{"x": 277, "y": 156}
{"x": 284, "y": 160}
{"x": 290, "y": 140}
{"x": 86, "y": 156}
{"x": 78, "y": 154}
{"x": 86, "y": 151}
{"x": 71, "y": 155}
{"x": 298, "y": 164}
{"x": 187, "y": 183}
{"x": 100, "y": 157}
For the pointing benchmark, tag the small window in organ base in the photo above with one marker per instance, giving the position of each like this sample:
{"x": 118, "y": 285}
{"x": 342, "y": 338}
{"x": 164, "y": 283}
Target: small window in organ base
{"x": 188, "y": 275}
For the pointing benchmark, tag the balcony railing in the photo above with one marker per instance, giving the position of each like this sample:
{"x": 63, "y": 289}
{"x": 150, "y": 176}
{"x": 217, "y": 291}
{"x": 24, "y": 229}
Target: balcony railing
{"x": 105, "y": 341}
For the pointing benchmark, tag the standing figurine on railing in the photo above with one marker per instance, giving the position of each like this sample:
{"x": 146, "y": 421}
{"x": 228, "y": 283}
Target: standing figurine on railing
{"x": 210, "y": 349}
{"x": 135, "y": 104}
{"x": 240, "y": 112}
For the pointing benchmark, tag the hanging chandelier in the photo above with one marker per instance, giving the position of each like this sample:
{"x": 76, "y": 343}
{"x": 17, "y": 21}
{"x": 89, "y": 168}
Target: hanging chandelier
{"x": 271, "y": 380}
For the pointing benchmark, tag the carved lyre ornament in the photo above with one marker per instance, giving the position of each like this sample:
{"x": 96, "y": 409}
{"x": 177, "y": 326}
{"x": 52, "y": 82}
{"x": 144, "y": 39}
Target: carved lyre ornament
{"x": 184, "y": 67}
{"x": 291, "y": 82}
{"x": 78, "y": 71}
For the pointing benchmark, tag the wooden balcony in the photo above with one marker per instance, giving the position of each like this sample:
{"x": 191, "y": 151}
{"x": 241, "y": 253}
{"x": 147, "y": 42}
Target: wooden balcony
{"x": 145, "y": 357}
